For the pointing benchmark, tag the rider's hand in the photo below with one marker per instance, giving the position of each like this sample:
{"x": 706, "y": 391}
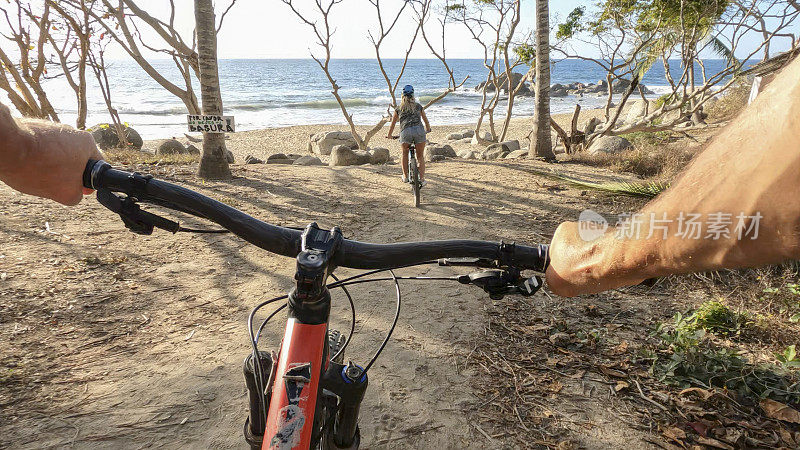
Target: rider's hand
{"x": 46, "y": 159}
{"x": 580, "y": 267}
{"x": 428, "y": 130}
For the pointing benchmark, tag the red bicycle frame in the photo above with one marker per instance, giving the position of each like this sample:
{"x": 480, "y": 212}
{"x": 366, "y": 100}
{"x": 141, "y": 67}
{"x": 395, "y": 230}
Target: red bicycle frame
{"x": 301, "y": 362}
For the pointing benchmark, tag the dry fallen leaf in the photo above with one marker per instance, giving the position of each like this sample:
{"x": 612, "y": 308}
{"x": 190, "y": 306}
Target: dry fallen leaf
{"x": 787, "y": 438}
{"x": 732, "y": 435}
{"x": 552, "y": 362}
{"x": 540, "y": 327}
{"x": 777, "y": 410}
{"x": 613, "y": 372}
{"x": 620, "y": 386}
{"x": 591, "y": 310}
{"x": 674, "y": 433}
{"x": 702, "y": 393}
{"x": 578, "y": 375}
{"x": 566, "y": 445}
{"x": 714, "y": 443}
{"x": 621, "y": 348}
{"x": 699, "y": 427}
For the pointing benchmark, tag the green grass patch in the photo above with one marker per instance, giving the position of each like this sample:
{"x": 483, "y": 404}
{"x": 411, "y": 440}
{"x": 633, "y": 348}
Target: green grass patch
{"x": 715, "y": 317}
{"x": 639, "y": 138}
{"x": 692, "y": 351}
{"x": 130, "y": 157}
{"x": 665, "y": 99}
{"x": 786, "y": 297}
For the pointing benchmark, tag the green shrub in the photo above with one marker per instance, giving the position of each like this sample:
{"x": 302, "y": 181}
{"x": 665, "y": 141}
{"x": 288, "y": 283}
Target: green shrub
{"x": 734, "y": 100}
{"x": 717, "y": 318}
{"x": 687, "y": 355}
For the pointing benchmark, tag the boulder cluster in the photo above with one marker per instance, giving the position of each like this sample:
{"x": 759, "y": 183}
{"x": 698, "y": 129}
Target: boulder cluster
{"x": 176, "y": 147}
{"x": 609, "y": 145}
{"x": 105, "y": 135}
{"x": 343, "y": 150}
{"x": 562, "y": 90}
{"x": 285, "y": 158}
{"x": 500, "y": 150}
{"x": 600, "y": 88}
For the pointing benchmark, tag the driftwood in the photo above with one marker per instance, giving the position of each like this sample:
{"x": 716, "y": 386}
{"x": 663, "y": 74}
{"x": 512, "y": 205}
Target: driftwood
{"x": 575, "y": 140}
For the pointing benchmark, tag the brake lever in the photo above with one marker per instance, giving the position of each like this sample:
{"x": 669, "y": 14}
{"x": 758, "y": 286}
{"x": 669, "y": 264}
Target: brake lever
{"x": 134, "y": 218}
{"x": 529, "y": 286}
{"x": 500, "y": 282}
{"x": 470, "y": 262}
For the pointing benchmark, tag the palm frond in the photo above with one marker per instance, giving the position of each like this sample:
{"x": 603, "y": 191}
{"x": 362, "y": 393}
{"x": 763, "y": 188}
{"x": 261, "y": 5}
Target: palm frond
{"x": 649, "y": 54}
{"x": 631, "y": 189}
{"x": 644, "y": 64}
{"x": 719, "y": 47}
{"x": 619, "y": 187}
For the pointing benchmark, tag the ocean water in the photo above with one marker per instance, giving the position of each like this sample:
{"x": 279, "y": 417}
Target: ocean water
{"x": 275, "y": 93}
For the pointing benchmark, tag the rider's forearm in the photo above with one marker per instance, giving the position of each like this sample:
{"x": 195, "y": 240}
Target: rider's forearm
{"x": 43, "y": 158}
{"x": 750, "y": 171}
{"x": 425, "y": 119}
{"x": 15, "y": 143}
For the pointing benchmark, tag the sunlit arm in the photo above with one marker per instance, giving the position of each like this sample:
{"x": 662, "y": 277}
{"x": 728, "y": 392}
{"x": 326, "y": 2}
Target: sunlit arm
{"x": 15, "y": 143}
{"x": 391, "y": 126}
{"x": 43, "y": 158}
{"x": 747, "y": 179}
{"x": 425, "y": 119}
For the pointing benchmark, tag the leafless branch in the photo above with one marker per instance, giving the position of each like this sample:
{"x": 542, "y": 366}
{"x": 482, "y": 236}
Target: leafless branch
{"x": 222, "y": 17}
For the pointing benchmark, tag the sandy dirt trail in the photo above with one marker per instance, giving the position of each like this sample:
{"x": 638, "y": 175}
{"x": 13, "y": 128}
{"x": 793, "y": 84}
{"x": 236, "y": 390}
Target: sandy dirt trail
{"x": 113, "y": 340}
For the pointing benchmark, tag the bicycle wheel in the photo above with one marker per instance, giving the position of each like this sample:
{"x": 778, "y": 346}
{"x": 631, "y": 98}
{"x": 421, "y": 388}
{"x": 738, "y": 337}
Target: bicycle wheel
{"x": 415, "y": 183}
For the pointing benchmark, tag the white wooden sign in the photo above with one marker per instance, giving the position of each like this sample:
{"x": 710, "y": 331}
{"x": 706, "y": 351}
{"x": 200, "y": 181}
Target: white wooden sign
{"x": 211, "y": 124}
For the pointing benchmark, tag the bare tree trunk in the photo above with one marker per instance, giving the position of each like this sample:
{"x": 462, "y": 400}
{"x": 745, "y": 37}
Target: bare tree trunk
{"x": 541, "y": 144}
{"x": 27, "y": 75}
{"x": 98, "y": 64}
{"x": 117, "y": 21}
{"x": 32, "y": 106}
{"x": 82, "y": 31}
{"x": 83, "y": 107}
{"x": 214, "y": 163}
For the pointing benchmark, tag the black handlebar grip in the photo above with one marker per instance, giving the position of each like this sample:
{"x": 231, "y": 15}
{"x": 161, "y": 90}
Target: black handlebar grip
{"x": 90, "y": 173}
{"x": 535, "y": 258}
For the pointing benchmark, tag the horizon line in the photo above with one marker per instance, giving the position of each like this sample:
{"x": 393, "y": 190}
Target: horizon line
{"x": 366, "y": 59}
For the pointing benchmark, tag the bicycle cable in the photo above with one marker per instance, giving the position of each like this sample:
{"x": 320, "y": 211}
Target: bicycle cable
{"x": 348, "y": 283}
{"x": 264, "y": 323}
{"x": 257, "y": 369}
{"x": 391, "y": 329}
{"x": 338, "y": 283}
{"x": 352, "y": 320}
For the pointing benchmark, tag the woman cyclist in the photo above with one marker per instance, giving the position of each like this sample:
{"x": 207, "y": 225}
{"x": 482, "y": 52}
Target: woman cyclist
{"x": 411, "y": 116}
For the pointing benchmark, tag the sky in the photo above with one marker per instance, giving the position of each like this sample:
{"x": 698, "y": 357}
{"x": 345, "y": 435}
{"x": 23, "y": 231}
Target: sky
{"x": 269, "y": 29}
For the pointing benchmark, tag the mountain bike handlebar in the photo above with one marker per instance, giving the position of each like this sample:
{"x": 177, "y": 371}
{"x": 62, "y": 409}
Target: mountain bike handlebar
{"x": 283, "y": 241}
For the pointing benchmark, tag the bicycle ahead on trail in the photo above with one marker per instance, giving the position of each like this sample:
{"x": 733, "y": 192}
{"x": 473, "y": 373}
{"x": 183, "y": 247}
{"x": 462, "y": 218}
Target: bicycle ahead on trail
{"x": 413, "y": 173}
{"x": 414, "y": 178}
{"x": 305, "y": 396}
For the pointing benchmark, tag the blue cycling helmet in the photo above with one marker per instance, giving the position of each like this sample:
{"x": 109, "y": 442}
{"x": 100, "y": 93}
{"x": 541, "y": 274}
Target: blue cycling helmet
{"x": 408, "y": 90}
